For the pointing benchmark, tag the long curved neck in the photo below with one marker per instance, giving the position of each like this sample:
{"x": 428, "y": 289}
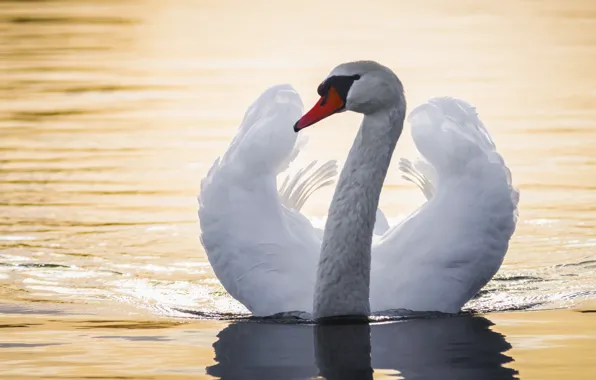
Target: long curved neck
{"x": 343, "y": 274}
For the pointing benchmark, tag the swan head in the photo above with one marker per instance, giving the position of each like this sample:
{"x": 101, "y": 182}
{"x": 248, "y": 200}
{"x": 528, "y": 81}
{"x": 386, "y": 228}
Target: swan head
{"x": 365, "y": 87}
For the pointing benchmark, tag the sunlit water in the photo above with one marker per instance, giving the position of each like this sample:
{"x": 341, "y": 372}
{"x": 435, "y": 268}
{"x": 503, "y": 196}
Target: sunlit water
{"x": 112, "y": 111}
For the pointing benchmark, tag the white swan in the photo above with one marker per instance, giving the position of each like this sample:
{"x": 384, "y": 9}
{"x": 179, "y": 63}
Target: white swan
{"x": 269, "y": 257}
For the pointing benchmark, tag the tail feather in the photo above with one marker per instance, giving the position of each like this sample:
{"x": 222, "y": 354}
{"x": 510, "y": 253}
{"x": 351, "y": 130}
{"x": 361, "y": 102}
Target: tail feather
{"x": 296, "y": 189}
{"x": 415, "y": 173}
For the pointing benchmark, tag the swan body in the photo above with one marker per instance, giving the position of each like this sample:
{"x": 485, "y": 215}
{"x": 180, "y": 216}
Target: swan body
{"x": 268, "y": 256}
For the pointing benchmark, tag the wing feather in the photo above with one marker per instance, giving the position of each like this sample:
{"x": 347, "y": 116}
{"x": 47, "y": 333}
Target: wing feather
{"x": 448, "y": 249}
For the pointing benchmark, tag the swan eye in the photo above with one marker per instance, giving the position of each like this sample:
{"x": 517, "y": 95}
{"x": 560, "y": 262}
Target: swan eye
{"x": 341, "y": 83}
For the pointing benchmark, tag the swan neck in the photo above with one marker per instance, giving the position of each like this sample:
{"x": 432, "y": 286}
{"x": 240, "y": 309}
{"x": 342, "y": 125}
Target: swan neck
{"x": 343, "y": 275}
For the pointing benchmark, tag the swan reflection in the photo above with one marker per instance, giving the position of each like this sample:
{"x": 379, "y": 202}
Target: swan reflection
{"x": 461, "y": 347}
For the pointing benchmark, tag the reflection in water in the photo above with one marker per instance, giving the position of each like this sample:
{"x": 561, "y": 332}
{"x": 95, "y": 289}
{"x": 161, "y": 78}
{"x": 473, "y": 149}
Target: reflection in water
{"x": 462, "y": 347}
{"x": 343, "y": 351}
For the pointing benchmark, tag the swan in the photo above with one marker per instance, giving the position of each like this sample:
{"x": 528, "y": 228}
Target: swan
{"x": 269, "y": 257}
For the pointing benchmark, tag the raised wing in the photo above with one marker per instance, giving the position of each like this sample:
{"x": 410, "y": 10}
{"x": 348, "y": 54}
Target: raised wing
{"x": 447, "y": 250}
{"x": 263, "y": 251}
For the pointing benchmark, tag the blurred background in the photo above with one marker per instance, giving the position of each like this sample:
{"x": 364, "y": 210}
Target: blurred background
{"x": 111, "y": 112}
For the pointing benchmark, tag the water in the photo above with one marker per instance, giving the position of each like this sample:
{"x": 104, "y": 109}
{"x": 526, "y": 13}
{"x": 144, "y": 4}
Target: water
{"x": 112, "y": 111}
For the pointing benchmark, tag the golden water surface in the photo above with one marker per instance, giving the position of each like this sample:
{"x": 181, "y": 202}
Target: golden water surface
{"x": 111, "y": 112}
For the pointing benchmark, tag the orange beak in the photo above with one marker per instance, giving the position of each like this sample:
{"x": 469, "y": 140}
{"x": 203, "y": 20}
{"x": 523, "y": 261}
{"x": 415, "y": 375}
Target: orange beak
{"x": 326, "y": 106}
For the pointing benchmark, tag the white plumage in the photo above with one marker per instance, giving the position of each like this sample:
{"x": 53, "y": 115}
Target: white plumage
{"x": 265, "y": 252}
